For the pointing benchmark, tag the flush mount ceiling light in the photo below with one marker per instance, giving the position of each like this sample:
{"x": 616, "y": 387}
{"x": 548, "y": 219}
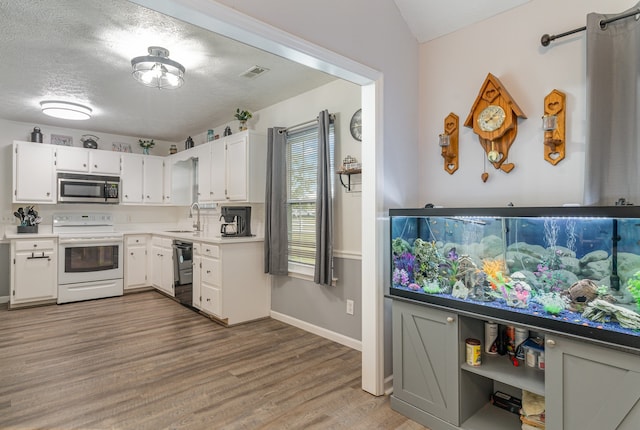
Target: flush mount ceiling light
{"x": 65, "y": 110}
{"x": 157, "y": 70}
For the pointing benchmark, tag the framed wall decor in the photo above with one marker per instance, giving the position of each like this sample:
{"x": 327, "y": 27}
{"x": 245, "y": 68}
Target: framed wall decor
{"x": 58, "y": 139}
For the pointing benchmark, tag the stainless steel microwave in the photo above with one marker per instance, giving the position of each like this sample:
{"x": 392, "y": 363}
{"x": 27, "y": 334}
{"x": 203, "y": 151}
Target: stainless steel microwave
{"x": 74, "y": 188}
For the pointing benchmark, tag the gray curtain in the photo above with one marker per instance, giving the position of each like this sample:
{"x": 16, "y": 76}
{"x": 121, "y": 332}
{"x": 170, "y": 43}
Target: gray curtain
{"x": 275, "y": 207}
{"x": 323, "y": 272}
{"x": 612, "y": 156}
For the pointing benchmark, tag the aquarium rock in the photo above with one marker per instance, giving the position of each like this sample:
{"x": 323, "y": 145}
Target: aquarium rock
{"x": 594, "y": 256}
{"x": 572, "y": 264}
{"x": 596, "y": 269}
{"x": 602, "y": 311}
{"x": 517, "y": 261}
{"x": 535, "y": 251}
{"x": 460, "y": 291}
{"x": 491, "y": 247}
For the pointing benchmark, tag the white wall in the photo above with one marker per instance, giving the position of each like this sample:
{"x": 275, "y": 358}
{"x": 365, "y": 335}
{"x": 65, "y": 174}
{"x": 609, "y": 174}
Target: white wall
{"x": 452, "y": 69}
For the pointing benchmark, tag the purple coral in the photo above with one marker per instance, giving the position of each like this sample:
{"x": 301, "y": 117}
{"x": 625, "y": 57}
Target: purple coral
{"x": 400, "y": 277}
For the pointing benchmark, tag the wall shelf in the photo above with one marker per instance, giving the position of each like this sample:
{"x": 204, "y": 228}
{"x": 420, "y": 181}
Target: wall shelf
{"x": 348, "y": 174}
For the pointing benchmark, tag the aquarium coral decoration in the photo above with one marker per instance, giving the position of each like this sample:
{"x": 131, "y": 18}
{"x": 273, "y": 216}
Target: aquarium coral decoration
{"x": 602, "y": 311}
{"x": 494, "y": 268}
{"x": 633, "y": 286}
{"x": 553, "y": 303}
{"x": 580, "y": 294}
{"x": 400, "y": 277}
{"x": 427, "y": 262}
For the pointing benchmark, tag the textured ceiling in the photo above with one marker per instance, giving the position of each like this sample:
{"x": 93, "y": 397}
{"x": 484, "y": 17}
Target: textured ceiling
{"x": 81, "y": 50}
{"x": 429, "y": 19}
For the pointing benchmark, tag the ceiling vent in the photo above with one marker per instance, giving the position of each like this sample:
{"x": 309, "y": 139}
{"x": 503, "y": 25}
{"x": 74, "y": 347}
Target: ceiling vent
{"x": 254, "y": 72}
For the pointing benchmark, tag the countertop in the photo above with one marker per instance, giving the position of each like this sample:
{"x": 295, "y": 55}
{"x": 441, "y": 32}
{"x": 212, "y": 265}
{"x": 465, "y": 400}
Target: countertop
{"x": 46, "y": 233}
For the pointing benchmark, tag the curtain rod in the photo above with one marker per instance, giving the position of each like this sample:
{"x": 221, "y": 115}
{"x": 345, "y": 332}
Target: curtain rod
{"x": 546, "y": 39}
{"x": 332, "y": 117}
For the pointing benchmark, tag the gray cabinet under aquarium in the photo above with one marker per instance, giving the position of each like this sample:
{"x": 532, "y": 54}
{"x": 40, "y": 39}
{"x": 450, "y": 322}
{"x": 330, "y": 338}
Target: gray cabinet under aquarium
{"x": 570, "y": 276}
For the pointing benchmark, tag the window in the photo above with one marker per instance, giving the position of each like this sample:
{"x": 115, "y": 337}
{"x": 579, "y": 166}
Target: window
{"x": 302, "y": 159}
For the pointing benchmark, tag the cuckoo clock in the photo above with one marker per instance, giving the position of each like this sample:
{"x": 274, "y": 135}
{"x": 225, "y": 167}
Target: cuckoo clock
{"x": 494, "y": 118}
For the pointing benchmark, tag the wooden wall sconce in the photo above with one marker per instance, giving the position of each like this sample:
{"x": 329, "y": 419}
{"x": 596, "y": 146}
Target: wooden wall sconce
{"x": 448, "y": 142}
{"x": 553, "y": 123}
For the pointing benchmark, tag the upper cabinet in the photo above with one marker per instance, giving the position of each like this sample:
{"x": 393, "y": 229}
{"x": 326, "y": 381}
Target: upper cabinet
{"x": 82, "y": 160}
{"x": 142, "y": 179}
{"x": 34, "y": 175}
{"x": 233, "y": 169}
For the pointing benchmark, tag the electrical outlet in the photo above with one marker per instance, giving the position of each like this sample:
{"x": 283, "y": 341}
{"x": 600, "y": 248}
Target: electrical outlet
{"x": 350, "y": 307}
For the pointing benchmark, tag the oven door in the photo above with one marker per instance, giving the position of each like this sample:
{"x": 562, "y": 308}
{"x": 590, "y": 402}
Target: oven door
{"x": 86, "y": 260}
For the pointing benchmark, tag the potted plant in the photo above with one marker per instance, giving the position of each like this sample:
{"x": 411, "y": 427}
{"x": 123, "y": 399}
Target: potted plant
{"x": 146, "y": 144}
{"x": 29, "y": 220}
{"x": 242, "y": 116}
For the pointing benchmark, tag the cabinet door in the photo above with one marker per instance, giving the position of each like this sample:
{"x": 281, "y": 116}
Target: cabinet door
{"x": 197, "y": 294}
{"x": 203, "y": 153}
{"x": 167, "y": 271}
{"x": 218, "y": 171}
{"x": 136, "y": 265}
{"x": 33, "y": 173}
{"x": 104, "y": 162}
{"x": 425, "y": 359}
{"x": 212, "y": 300}
{"x": 590, "y": 387}
{"x": 236, "y": 169}
{"x": 168, "y": 177}
{"x": 69, "y": 159}
{"x": 35, "y": 277}
{"x": 153, "y": 182}
{"x": 131, "y": 178}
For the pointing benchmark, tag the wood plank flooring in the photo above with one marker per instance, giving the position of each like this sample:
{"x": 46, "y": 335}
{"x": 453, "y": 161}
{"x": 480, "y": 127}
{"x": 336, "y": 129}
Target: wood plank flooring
{"x": 143, "y": 361}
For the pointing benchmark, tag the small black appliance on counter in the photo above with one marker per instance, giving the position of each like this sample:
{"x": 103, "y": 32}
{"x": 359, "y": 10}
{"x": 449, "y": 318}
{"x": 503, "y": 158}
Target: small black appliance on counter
{"x": 237, "y": 221}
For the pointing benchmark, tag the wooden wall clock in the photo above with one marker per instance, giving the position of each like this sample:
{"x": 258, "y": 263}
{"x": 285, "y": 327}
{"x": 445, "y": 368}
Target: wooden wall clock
{"x": 494, "y": 118}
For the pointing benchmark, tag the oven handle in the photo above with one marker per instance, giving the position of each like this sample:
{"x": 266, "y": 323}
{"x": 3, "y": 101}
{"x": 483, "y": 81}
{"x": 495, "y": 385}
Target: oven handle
{"x": 38, "y": 257}
{"x": 103, "y": 241}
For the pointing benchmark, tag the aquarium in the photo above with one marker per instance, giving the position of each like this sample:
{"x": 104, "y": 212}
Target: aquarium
{"x": 574, "y": 270}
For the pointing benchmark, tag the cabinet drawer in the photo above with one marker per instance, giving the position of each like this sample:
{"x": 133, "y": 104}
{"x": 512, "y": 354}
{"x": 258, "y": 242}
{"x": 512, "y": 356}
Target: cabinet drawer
{"x": 211, "y": 272}
{"x": 161, "y": 241}
{"x": 210, "y": 250}
{"x": 30, "y": 245}
{"x": 136, "y": 240}
{"x": 212, "y": 300}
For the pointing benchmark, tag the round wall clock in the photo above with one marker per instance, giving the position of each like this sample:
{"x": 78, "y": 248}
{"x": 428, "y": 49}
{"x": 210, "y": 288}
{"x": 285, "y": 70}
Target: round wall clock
{"x": 356, "y": 125}
{"x": 491, "y": 118}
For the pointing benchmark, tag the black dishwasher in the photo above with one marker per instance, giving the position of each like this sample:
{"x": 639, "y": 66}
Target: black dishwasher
{"x": 183, "y": 272}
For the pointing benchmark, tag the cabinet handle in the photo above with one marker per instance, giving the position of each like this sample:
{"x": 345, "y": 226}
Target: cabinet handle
{"x": 147, "y": 196}
{"x": 551, "y": 343}
{"x": 48, "y": 194}
{"x": 95, "y": 166}
{"x": 208, "y": 300}
{"x": 84, "y": 165}
{"x": 132, "y": 253}
{"x": 35, "y": 245}
{"x": 208, "y": 271}
{"x": 450, "y": 319}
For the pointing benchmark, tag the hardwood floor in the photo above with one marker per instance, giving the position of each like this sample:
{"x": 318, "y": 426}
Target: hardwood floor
{"x": 143, "y": 361}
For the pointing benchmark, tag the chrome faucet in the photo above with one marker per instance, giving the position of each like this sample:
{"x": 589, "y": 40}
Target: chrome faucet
{"x": 196, "y": 225}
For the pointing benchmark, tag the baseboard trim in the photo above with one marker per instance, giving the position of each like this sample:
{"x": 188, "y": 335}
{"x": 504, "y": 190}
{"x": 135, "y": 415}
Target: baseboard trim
{"x": 388, "y": 385}
{"x": 323, "y": 332}
{"x": 4, "y": 299}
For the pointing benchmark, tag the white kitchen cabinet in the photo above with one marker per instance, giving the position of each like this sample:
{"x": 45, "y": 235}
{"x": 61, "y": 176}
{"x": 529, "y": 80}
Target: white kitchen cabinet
{"x": 34, "y": 272}
{"x": 197, "y": 270}
{"x": 162, "y": 264}
{"x": 136, "y": 256}
{"x": 131, "y": 179}
{"x": 178, "y": 180}
{"x": 233, "y": 287}
{"x": 34, "y": 179}
{"x": 153, "y": 181}
{"x": 83, "y": 160}
{"x": 203, "y": 154}
{"x": 142, "y": 179}
{"x": 233, "y": 169}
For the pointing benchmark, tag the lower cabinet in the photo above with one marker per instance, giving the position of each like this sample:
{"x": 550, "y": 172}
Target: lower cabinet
{"x": 591, "y": 386}
{"x": 34, "y": 272}
{"x": 162, "y": 264}
{"x": 233, "y": 288}
{"x": 136, "y": 256}
{"x": 586, "y": 385}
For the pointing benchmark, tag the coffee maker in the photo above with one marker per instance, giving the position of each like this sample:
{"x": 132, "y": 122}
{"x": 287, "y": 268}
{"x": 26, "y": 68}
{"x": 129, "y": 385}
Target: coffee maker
{"x": 237, "y": 221}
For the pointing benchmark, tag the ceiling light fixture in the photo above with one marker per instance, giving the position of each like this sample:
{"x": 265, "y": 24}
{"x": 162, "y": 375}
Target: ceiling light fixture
{"x": 157, "y": 70}
{"x": 65, "y": 110}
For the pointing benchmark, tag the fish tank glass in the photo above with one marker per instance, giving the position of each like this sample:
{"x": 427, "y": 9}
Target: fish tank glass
{"x": 573, "y": 270}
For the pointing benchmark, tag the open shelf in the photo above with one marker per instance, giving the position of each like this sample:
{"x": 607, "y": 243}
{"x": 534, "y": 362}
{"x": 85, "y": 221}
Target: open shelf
{"x": 348, "y": 173}
{"x": 499, "y": 368}
{"x": 492, "y": 417}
